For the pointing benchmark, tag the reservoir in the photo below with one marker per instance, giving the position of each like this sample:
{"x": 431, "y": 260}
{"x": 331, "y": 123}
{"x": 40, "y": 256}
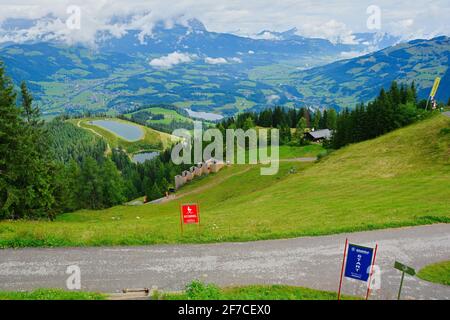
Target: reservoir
{"x": 204, "y": 115}
{"x": 144, "y": 156}
{"x": 125, "y": 131}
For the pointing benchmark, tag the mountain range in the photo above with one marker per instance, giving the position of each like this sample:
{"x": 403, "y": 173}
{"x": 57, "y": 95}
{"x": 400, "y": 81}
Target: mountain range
{"x": 191, "y": 67}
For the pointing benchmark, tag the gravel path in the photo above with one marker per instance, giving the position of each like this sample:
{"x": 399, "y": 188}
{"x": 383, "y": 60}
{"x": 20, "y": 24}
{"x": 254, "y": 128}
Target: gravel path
{"x": 310, "y": 261}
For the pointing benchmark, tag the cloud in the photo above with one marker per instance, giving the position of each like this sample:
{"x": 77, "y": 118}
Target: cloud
{"x": 210, "y": 60}
{"x": 273, "y": 98}
{"x": 335, "y": 31}
{"x": 172, "y": 59}
{"x": 236, "y": 60}
{"x": 335, "y": 20}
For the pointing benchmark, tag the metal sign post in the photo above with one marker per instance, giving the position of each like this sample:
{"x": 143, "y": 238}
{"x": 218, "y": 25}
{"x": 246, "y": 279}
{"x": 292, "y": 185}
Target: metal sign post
{"x": 404, "y": 269}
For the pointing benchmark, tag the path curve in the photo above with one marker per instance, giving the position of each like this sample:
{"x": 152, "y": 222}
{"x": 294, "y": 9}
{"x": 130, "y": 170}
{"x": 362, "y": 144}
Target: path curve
{"x": 309, "y": 261}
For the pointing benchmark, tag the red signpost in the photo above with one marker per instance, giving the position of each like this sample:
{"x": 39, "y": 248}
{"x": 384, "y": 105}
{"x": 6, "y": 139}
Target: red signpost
{"x": 189, "y": 214}
{"x": 342, "y": 270}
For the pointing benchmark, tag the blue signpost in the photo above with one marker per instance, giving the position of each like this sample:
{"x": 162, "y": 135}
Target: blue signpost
{"x": 358, "y": 265}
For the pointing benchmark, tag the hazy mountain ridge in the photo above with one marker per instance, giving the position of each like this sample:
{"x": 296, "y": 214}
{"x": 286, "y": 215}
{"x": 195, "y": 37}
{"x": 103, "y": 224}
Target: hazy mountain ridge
{"x": 344, "y": 83}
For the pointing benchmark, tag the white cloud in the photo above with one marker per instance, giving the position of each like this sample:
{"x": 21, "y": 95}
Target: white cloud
{"x": 335, "y": 31}
{"x": 171, "y": 60}
{"x": 273, "y": 98}
{"x": 210, "y": 60}
{"x": 334, "y": 20}
{"x": 236, "y": 60}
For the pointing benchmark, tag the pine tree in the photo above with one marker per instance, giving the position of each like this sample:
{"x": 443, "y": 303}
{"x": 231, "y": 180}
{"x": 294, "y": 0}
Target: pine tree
{"x": 91, "y": 193}
{"x": 317, "y": 119}
{"x": 26, "y": 174}
{"x": 331, "y": 119}
{"x": 300, "y": 131}
{"x": 112, "y": 183}
{"x": 155, "y": 192}
{"x": 307, "y": 117}
{"x": 248, "y": 124}
{"x": 10, "y": 145}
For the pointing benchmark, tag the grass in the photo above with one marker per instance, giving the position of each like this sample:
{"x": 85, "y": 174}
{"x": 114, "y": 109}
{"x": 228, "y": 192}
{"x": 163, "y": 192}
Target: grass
{"x": 437, "y": 273}
{"x": 400, "y": 179}
{"x": 200, "y": 291}
{"x": 50, "y": 294}
{"x": 291, "y": 152}
{"x": 152, "y": 140}
{"x": 169, "y": 115}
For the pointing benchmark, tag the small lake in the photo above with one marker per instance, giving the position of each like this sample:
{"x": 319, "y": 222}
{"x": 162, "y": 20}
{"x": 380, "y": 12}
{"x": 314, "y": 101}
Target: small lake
{"x": 204, "y": 115}
{"x": 126, "y": 131}
{"x": 144, "y": 156}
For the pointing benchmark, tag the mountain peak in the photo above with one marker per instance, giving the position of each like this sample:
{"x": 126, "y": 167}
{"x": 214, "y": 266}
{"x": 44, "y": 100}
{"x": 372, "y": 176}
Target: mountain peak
{"x": 196, "y": 25}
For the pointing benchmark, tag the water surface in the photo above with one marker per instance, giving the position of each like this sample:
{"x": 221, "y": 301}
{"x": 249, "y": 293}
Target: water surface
{"x": 144, "y": 156}
{"x": 204, "y": 115}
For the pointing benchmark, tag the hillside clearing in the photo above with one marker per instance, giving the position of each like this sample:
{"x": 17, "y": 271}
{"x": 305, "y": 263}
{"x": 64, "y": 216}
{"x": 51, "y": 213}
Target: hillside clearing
{"x": 152, "y": 140}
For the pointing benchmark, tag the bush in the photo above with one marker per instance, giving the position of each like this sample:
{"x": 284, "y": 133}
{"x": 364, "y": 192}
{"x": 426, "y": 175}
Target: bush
{"x": 197, "y": 290}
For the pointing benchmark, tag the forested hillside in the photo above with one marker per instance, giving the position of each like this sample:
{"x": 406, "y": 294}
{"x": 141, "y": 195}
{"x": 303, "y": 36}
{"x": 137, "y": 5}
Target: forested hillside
{"x": 55, "y": 167}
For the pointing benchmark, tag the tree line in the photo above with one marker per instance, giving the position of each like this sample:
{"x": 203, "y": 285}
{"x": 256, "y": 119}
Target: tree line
{"x": 390, "y": 110}
{"x": 284, "y": 119}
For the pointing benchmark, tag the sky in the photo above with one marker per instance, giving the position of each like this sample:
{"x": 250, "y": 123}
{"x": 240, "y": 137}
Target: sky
{"x": 333, "y": 20}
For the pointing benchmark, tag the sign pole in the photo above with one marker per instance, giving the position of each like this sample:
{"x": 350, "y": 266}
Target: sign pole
{"x": 371, "y": 271}
{"x": 181, "y": 219}
{"x": 342, "y": 269}
{"x": 401, "y": 284}
{"x": 198, "y": 208}
{"x": 404, "y": 269}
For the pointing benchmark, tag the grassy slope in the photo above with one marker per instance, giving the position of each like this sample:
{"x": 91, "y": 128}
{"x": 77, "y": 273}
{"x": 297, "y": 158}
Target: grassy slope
{"x": 436, "y": 272}
{"x": 200, "y": 291}
{"x": 151, "y": 138}
{"x": 399, "y": 179}
{"x": 50, "y": 294}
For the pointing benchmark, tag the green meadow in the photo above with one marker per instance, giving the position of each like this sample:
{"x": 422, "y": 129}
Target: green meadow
{"x": 436, "y": 272}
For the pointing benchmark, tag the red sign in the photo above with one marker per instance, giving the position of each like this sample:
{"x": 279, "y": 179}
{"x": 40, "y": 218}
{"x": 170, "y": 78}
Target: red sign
{"x": 190, "y": 213}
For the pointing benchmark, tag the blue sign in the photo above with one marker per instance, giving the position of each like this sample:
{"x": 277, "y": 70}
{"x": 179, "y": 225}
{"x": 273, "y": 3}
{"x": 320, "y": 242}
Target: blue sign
{"x": 359, "y": 260}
